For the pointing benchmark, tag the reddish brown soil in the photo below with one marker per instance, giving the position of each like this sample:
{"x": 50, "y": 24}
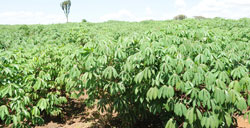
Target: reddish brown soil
{"x": 90, "y": 118}
{"x": 80, "y": 116}
{"x": 95, "y": 123}
{"x": 243, "y": 123}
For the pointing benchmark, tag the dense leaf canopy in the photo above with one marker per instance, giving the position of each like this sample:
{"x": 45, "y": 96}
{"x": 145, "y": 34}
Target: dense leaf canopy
{"x": 190, "y": 73}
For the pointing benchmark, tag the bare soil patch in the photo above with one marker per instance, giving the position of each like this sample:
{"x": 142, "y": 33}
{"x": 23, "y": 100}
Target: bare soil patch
{"x": 78, "y": 115}
{"x": 243, "y": 123}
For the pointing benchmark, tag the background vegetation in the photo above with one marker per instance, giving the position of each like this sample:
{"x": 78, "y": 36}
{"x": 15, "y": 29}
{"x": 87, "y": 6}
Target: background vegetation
{"x": 189, "y": 73}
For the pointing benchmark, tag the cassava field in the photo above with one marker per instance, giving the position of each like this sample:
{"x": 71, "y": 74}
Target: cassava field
{"x": 189, "y": 73}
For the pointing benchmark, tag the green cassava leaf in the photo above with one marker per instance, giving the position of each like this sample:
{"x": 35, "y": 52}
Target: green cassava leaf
{"x": 152, "y": 93}
{"x": 3, "y": 112}
{"x": 170, "y": 124}
{"x": 42, "y": 104}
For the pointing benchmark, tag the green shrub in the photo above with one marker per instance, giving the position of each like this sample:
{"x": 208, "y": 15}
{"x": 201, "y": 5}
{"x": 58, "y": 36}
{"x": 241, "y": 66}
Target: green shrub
{"x": 38, "y": 29}
{"x": 31, "y": 88}
{"x": 78, "y": 35}
{"x": 199, "y": 17}
{"x": 180, "y": 17}
{"x": 182, "y": 82}
{"x": 24, "y": 29}
{"x": 84, "y": 20}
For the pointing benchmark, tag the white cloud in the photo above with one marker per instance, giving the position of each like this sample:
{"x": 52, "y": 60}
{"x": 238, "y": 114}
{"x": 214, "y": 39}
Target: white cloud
{"x": 149, "y": 11}
{"x": 126, "y": 15}
{"x": 209, "y": 8}
{"x": 239, "y": 2}
{"x": 168, "y": 16}
{"x": 120, "y": 15}
{"x": 24, "y": 17}
{"x": 221, "y": 8}
{"x": 181, "y": 5}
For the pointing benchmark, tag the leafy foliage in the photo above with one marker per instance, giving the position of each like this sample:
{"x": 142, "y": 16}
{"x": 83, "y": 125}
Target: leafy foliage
{"x": 191, "y": 73}
{"x": 180, "y": 17}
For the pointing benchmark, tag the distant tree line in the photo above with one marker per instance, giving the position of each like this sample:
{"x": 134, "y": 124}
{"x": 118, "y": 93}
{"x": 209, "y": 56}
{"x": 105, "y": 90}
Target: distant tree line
{"x": 182, "y": 17}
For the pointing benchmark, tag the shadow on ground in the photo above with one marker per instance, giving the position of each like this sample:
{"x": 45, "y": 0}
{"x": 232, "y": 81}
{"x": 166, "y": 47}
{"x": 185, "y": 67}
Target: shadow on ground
{"x": 78, "y": 115}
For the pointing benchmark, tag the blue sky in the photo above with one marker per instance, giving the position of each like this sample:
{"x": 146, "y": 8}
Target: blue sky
{"x": 49, "y": 11}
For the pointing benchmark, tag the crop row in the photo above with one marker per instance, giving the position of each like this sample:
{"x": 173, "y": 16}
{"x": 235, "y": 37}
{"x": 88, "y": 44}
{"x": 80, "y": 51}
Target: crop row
{"x": 185, "y": 73}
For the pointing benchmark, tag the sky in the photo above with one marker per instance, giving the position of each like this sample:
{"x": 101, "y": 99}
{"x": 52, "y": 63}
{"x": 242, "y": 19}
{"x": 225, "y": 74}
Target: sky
{"x": 49, "y": 11}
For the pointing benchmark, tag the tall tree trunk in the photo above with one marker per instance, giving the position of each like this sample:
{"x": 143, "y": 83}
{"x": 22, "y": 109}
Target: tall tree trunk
{"x": 67, "y": 19}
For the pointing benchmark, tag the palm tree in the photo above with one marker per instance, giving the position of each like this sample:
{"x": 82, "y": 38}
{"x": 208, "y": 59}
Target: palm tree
{"x": 66, "y": 8}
